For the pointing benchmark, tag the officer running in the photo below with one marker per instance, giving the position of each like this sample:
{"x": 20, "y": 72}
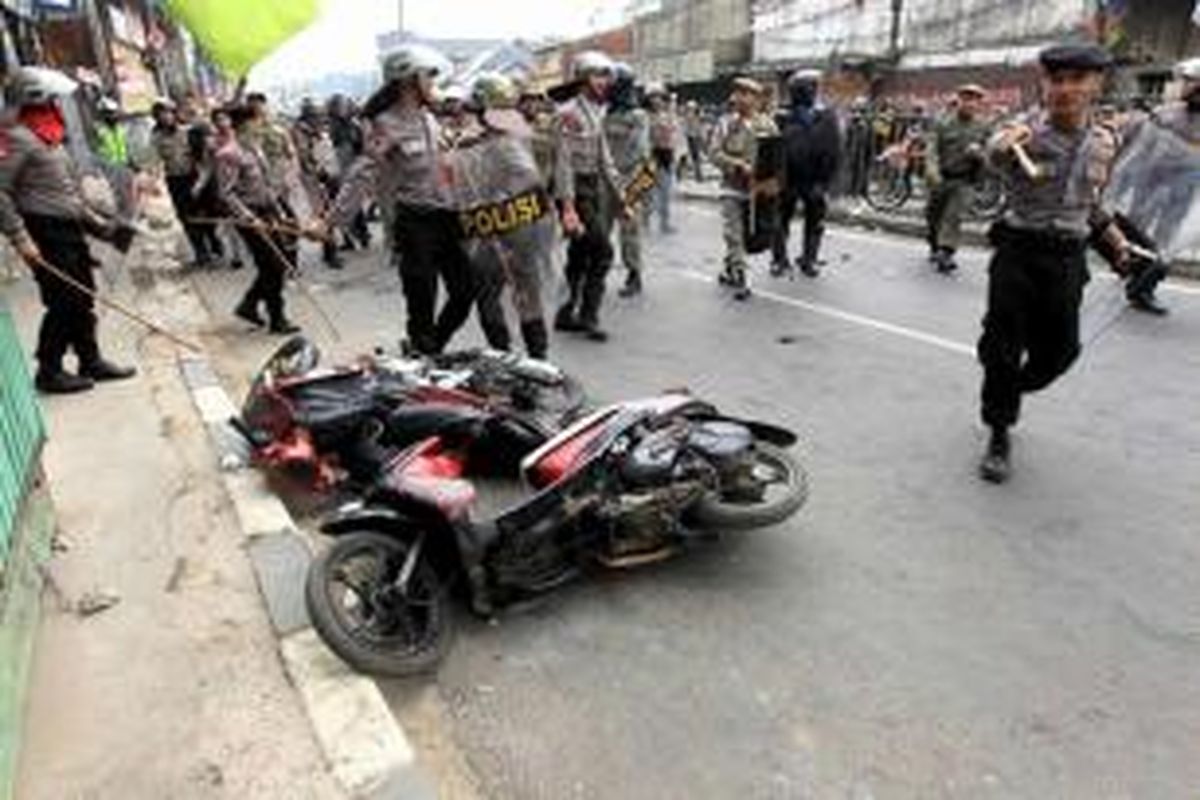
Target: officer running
{"x": 627, "y": 129}
{"x": 43, "y": 214}
{"x": 1038, "y": 272}
{"x": 812, "y": 139}
{"x": 953, "y": 165}
{"x": 587, "y": 186}
{"x": 734, "y": 153}
{"x": 402, "y": 166}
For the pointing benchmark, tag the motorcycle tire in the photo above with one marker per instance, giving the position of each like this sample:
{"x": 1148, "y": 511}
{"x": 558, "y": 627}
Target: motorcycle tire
{"x": 365, "y": 651}
{"x": 711, "y": 513}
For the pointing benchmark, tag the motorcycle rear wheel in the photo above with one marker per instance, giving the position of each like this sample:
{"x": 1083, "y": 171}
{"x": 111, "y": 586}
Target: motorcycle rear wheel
{"x": 714, "y": 513}
{"x": 365, "y": 621}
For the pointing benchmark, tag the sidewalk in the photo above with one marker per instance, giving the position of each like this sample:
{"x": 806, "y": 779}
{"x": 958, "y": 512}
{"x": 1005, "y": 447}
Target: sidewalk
{"x": 177, "y": 690}
{"x": 856, "y": 212}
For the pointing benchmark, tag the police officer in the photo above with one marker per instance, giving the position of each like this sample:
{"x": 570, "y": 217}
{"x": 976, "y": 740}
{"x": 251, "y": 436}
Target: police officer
{"x": 508, "y": 227}
{"x": 953, "y": 161}
{"x": 664, "y": 135}
{"x": 1182, "y": 118}
{"x": 587, "y": 186}
{"x": 170, "y": 142}
{"x": 539, "y": 114}
{"x": 734, "y": 152}
{"x": 310, "y": 135}
{"x": 402, "y": 166}
{"x": 1056, "y": 162}
{"x": 245, "y": 190}
{"x": 812, "y": 140}
{"x": 43, "y": 214}
{"x": 627, "y": 129}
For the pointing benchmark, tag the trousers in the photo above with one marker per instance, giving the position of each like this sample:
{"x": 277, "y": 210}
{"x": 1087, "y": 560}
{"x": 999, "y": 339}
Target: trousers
{"x": 1031, "y": 328}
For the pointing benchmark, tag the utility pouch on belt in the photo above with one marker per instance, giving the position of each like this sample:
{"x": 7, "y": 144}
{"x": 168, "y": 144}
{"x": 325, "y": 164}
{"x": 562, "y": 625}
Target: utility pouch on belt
{"x": 506, "y": 216}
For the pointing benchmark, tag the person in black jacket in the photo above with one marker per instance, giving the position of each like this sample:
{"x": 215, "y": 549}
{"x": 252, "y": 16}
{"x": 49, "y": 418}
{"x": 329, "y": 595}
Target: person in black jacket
{"x": 812, "y": 140}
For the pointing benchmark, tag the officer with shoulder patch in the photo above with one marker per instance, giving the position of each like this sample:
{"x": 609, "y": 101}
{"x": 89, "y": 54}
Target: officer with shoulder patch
{"x": 627, "y": 128}
{"x": 953, "y": 161}
{"x": 43, "y": 214}
{"x": 734, "y": 152}
{"x": 1056, "y": 162}
{"x": 402, "y": 165}
{"x": 587, "y": 186}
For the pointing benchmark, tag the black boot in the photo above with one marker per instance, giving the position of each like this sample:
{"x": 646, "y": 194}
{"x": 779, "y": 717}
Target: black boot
{"x": 808, "y": 267}
{"x": 104, "y": 370}
{"x": 282, "y": 325}
{"x": 945, "y": 261}
{"x": 1147, "y": 303}
{"x": 633, "y": 284}
{"x": 996, "y": 466}
{"x": 59, "y": 382}
{"x": 537, "y": 339}
{"x": 593, "y": 332}
{"x": 741, "y": 287}
{"x": 248, "y": 310}
{"x": 566, "y": 321}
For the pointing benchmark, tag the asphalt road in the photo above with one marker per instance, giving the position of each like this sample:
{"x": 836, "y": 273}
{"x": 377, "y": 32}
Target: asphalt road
{"x": 913, "y": 632}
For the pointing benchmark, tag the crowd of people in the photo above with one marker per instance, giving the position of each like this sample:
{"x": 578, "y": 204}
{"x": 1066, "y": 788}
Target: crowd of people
{"x": 478, "y": 185}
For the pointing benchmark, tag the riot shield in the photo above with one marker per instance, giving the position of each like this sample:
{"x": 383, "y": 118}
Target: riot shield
{"x": 1155, "y": 184}
{"x": 766, "y": 187}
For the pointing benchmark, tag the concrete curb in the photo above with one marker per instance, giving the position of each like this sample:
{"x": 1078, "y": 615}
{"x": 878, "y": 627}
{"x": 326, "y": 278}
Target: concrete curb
{"x": 365, "y": 747}
{"x": 974, "y": 234}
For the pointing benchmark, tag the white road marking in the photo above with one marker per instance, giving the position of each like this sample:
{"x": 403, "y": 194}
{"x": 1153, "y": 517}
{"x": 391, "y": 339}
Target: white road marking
{"x": 847, "y": 316}
{"x": 1173, "y": 285}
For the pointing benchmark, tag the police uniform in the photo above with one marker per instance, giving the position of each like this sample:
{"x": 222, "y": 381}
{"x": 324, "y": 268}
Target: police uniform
{"x": 628, "y": 135}
{"x": 508, "y": 230}
{"x": 41, "y": 202}
{"x": 735, "y": 141}
{"x": 664, "y": 133}
{"x": 175, "y": 158}
{"x": 1038, "y": 272}
{"x": 953, "y": 161}
{"x": 244, "y": 188}
{"x": 585, "y": 174}
{"x": 812, "y": 140}
{"x": 401, "y": 165}
{"x": 307, "y": 136}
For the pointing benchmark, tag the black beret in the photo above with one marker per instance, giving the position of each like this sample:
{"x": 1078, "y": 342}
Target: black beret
{"x": 1086, "y": 57}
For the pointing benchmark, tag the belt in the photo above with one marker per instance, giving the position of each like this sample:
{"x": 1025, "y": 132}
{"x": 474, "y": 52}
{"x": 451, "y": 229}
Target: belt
{"x": 506, "y": 216}
{"x": 1003, "y": 233}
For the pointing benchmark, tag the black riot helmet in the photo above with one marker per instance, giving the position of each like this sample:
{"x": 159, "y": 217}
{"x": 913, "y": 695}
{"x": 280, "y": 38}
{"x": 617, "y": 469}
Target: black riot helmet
{"x": 624, "y": 92}
{"x": 803, "y": 86}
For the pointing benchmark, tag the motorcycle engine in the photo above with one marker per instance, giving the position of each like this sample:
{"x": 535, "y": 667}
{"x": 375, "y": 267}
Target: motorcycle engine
{"x": 646, "y": 521}
{"x": 729, "y": 448}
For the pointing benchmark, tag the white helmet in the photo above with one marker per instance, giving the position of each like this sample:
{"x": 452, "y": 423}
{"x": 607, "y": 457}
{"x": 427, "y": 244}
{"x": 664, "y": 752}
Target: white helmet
{"x": 591, "y": 62}
{"x": 455, "y": 92}
{"x": 413, "y": 60}
{"x": 37, "y": 85}
{"x": 1188, "y": 70}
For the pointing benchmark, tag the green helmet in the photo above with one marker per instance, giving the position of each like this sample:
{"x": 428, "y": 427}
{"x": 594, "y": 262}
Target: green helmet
{"x": 494, "y": 90}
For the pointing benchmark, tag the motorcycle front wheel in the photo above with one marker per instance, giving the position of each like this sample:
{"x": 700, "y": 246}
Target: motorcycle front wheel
{"x": 785, "y": 490}
{"x": 373, "y": 625}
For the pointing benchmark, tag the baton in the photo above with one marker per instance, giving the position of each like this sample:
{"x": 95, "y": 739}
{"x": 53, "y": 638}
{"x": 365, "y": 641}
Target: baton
{"x": 1028, "y": 166}
{"x": 124, "y": 311}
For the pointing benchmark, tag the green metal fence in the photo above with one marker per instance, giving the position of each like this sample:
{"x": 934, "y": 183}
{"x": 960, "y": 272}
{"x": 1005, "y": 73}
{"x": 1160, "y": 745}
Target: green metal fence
{"x": 21, "y": 429}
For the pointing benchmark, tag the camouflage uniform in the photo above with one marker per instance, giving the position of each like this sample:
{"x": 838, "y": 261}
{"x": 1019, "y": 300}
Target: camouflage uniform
{"x": 735, "y": 141}
{"x": 953, "y": 161}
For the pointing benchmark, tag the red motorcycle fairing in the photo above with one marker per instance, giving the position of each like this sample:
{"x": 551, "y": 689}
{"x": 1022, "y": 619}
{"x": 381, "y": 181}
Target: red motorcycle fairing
{"x": 569, "y": 451}
{"x": 431, "y": 474}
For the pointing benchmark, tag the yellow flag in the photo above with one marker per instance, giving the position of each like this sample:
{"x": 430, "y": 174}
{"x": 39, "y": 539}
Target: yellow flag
{"x": 237, "y": 34}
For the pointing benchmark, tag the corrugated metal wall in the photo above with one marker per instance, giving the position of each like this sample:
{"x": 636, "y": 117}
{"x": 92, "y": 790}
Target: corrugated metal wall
{"x": 21, "y": 428}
